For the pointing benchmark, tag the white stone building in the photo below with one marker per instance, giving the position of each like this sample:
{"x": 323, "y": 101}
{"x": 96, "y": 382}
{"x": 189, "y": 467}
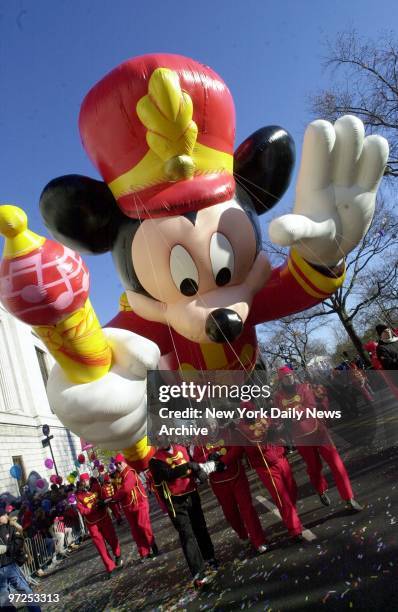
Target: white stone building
{"x": 24, "y": 408}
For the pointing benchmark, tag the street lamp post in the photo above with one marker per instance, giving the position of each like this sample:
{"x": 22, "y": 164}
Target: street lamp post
{"x": 47, "y": 442}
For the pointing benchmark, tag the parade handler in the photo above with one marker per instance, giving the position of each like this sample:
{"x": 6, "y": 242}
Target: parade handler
{"x": 174, "y": 476}
{"x": 105, "y": 491}
{"x": 271, "y": 466}
{"x": 134, "y": 501}
{"x": 387, "y": 353}
{"x": 99, "y": 524}
{"x": 178, "y": 208}
{"x": 312, "y": 439}
{"x": 232, "y": 490}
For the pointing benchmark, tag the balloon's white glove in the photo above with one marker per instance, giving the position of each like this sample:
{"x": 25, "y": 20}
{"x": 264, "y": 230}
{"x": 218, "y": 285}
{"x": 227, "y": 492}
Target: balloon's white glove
{"x": 336, "y": 191}
{"x": 3, "y": 549}
{"x": 110, "y": 411}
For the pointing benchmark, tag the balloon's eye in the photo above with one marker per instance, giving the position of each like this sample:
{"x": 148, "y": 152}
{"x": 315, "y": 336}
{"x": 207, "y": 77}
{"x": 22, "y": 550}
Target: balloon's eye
{"x": 183, "y": 271}
{"x": 222, "y": 259}
{"x": 223, "y": 277}
{"x": 188, "y": 286}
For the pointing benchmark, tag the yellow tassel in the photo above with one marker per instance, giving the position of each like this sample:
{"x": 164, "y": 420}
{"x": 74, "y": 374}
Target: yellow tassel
{"x": 166, "y": 111}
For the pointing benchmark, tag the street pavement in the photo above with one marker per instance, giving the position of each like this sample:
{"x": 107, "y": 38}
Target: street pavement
{"x": 348, "y": 562}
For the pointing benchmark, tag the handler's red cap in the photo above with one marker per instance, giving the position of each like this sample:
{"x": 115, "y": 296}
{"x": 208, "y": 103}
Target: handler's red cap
{"x": 84, "y": 476}
{"x": 160, "y": 129}
{"x": 284, "y": 371}
{"x": 119, "y": 457}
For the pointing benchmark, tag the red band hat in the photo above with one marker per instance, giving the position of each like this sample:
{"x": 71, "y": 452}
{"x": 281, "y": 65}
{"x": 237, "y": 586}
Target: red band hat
{"x": 120, "y": 458}
{"x": 284, "y": 371}
{"x": 160, "y": 130}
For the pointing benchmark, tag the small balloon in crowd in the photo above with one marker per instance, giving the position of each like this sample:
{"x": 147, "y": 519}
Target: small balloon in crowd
{"x": 53, "y": 478}
{"x": 59, "y": 480}
{"x": 81, "y": 458}
{"x": 75, "y": 473}
{"x": 40, "y": 484}
{"x": 31, "y": 481}
{"x": 97, "y": 462}
{"x": 112, "y": 468}
{"x": 49, "y": 463}
{"x": 16, "y": 472}
{"x": 101, "y": 468}
{"x": 93, "y": 456}
{"x": 71, "y": 499}
{"x": 46, "y": 505}
{"x": 77, "y": 463}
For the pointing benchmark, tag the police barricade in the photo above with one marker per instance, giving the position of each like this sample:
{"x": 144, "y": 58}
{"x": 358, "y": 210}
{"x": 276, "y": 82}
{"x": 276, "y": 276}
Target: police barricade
{"x": 29, "y": 567}
{"x": 38, "y": 552}
{"x": 41, "y": 551}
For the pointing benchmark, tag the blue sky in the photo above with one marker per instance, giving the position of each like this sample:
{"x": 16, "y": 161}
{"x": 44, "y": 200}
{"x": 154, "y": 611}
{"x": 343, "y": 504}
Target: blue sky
{"x": 51, "y": 53}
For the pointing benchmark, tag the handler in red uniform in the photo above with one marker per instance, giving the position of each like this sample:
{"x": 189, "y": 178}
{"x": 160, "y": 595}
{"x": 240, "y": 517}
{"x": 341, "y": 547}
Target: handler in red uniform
{"x": 232, "y": 490}
{"x": 312, "y": 439}
{"x": 99, "y": 524}
{"x": 134, "y": 501}
{"x": 174, "y": 476}
{"x": 274, "y": 471}
{"x": 387, "y": 353}
{"x": 271, "y": 466}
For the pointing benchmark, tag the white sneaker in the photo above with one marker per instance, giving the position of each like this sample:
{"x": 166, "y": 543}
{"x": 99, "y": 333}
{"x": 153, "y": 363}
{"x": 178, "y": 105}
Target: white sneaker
{"x": 201, "y": 579}
{"x": 353, "y": 505}
{"x": 262, "y": 549}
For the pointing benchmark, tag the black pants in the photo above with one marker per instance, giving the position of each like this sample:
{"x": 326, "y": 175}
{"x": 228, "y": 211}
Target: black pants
{"x": 192, "y": 529}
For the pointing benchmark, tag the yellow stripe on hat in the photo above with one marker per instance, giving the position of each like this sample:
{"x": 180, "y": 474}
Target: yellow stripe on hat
{"x": 150, "y": 170}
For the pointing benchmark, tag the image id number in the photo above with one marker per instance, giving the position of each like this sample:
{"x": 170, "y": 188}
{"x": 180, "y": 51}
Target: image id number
{"x": 33, "y": 597}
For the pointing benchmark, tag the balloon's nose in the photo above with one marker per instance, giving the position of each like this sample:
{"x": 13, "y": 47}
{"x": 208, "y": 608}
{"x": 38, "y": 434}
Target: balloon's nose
{"x": 223, "y": 325}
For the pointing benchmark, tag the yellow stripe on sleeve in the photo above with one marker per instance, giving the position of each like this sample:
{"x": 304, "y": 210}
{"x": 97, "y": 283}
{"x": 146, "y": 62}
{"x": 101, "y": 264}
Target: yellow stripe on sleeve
{"x": 314, "y": 282}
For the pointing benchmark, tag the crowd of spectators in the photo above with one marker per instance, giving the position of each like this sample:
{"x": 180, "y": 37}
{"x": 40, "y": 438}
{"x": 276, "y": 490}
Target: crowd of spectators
{"x": 51, "y": 523}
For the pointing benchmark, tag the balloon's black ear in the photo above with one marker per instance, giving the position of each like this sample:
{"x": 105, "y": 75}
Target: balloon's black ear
{"x": 81, "y": 213}
{"x": 263, "y": 165}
